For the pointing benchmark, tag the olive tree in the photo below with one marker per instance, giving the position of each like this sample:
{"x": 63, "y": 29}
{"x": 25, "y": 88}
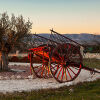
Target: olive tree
{"x": 12, "y": 32}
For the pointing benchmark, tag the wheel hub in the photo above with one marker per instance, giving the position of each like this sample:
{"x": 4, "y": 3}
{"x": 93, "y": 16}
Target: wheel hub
{"x": 66, "y": 64}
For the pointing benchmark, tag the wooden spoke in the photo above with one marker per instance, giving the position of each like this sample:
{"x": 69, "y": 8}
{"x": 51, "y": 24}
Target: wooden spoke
{"x": 69, "y": 73}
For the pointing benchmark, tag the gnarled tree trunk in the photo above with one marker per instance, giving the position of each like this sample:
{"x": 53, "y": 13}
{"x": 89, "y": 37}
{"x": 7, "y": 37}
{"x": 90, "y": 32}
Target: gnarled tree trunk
{"x": 3, "y": 61}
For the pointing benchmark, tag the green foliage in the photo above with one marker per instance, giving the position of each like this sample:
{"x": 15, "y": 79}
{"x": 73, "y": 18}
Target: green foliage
{"x": 92, "y": 48}
{"x": 12, "y": 31}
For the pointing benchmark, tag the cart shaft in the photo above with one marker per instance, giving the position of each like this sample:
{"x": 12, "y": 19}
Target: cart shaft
{"x": 90, "y": 69}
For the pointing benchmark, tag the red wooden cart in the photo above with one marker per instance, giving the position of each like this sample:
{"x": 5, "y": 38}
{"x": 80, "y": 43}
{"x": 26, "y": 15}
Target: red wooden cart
{"x": 58, "y": 57}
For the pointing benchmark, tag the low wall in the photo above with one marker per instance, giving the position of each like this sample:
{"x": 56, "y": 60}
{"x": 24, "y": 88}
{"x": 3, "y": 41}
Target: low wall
{"x": 92, "y": 55}
{"x": 87, "y": 55}
{"x": 18, "y": 55}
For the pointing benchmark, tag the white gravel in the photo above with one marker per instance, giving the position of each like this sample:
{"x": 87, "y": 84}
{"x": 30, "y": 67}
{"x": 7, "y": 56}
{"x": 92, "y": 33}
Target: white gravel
{"x": 35, "y": 84}
{"x": 13, "y": 63}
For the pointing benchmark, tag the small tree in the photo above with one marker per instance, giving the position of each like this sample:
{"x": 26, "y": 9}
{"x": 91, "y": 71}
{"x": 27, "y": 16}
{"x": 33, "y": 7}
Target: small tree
{"x": 12, "y": 32}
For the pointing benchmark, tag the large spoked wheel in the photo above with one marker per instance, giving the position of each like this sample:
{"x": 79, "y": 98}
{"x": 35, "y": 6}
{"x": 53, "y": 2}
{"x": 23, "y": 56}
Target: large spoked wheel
{"x": 66, "y": 62}
{"x": 40, "y": 66}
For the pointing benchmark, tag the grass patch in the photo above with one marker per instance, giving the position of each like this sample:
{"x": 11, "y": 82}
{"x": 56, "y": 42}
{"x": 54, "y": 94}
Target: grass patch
{"x": 92, "y": 63}
{"x": 81, "y": 91}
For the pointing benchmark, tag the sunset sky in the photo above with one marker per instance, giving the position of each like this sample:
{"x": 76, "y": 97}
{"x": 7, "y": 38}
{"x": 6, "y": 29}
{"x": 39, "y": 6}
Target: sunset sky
{"x": 64, "y": 16}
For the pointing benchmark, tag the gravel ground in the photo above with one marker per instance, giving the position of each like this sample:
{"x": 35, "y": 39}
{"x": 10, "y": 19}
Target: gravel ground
{"x": 28, "y": 84}
{"x": 16, "y": 72}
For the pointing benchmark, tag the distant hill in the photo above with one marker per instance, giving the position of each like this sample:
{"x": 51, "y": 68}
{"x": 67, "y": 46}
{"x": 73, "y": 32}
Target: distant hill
{"x": 83, "y": 38}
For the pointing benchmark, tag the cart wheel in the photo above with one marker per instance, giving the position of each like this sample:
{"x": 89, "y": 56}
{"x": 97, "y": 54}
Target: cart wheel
{"x": 40, "y": 67}
{"x": 66, "y": 62}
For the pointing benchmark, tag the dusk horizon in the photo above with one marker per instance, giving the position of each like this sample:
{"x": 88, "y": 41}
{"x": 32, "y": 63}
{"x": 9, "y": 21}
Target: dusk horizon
{"x": 64, "y": 16}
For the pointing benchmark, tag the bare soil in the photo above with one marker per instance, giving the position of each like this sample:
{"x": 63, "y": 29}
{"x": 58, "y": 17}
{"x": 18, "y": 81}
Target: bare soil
{"x": 16, "y": 72}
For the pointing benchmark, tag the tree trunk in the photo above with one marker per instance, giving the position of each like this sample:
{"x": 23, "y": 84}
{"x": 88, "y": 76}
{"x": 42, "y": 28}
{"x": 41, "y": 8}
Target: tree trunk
{"x": 3, "y": 61}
